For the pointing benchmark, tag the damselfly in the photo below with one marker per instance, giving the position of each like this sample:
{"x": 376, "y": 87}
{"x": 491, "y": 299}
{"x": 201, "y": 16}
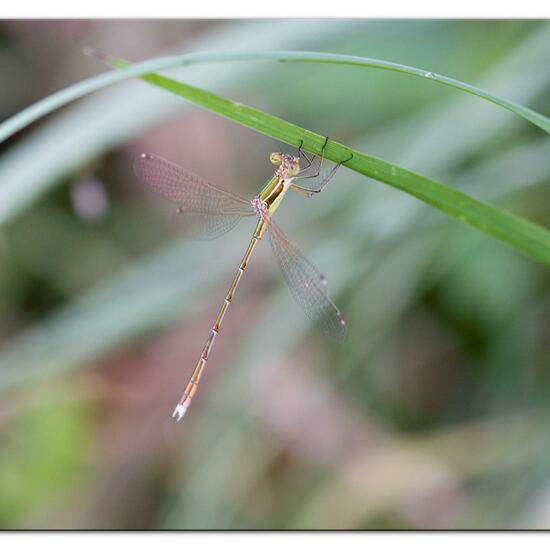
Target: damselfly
{"x": 209, "y": 212}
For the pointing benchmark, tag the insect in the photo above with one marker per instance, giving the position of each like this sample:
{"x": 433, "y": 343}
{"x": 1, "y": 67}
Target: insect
{"x": 209, "y": 212}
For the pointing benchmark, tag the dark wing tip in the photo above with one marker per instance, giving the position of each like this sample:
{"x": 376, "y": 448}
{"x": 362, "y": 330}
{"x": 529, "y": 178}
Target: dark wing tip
{"x": 140, "y": 163}
{"x": 338, "y": 334}
{"x": 146, "y": 156}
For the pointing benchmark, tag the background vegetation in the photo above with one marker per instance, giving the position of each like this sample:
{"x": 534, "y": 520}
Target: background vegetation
{"x": 433, "y": 414}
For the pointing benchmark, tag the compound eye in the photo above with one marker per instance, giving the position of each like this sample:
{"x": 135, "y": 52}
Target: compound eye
{"x": 276, "y": 158}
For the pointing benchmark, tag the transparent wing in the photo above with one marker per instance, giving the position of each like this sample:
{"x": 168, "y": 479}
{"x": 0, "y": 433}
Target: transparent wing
{"x": 307, "y": 284}
{"x": 205, "y": 227}
{"x": 205, "y": 211}
{"x": 316, "y": 173}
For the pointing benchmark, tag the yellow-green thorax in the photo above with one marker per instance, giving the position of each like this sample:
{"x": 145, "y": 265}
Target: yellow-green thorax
{"x": 275, "y": 189}
{"x": 273, "y": 193}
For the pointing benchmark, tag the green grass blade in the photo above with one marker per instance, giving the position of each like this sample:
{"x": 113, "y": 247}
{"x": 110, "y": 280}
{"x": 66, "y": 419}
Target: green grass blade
{"x": 75, "y": 136}
{"x": 537, "y": 119}
{"x": 529, "y": 238}
{"x": 71, "y": 93}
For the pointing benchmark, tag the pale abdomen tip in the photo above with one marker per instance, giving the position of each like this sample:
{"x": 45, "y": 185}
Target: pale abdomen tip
{"x": 179, "y": 412}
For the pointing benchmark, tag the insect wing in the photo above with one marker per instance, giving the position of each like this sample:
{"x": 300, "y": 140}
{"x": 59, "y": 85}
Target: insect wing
{"x": 204, "y": 210}
{"x": 307, "y": 284}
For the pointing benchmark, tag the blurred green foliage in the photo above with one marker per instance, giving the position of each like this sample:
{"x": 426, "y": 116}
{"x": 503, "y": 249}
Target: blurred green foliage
{"x": 433, "y": 414}
{"x": 45, "y": 455}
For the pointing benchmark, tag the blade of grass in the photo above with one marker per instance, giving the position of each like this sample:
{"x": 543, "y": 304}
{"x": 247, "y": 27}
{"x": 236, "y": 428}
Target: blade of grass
{"x": 127, "y": 304}
{"x": 529, "y": 238}
{"x": 58, "y": 99}
{"x": 73, "y": 139}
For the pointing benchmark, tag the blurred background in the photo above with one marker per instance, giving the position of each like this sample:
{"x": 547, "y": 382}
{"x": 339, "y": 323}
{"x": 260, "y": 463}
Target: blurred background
{"x": 433, "y": 413}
